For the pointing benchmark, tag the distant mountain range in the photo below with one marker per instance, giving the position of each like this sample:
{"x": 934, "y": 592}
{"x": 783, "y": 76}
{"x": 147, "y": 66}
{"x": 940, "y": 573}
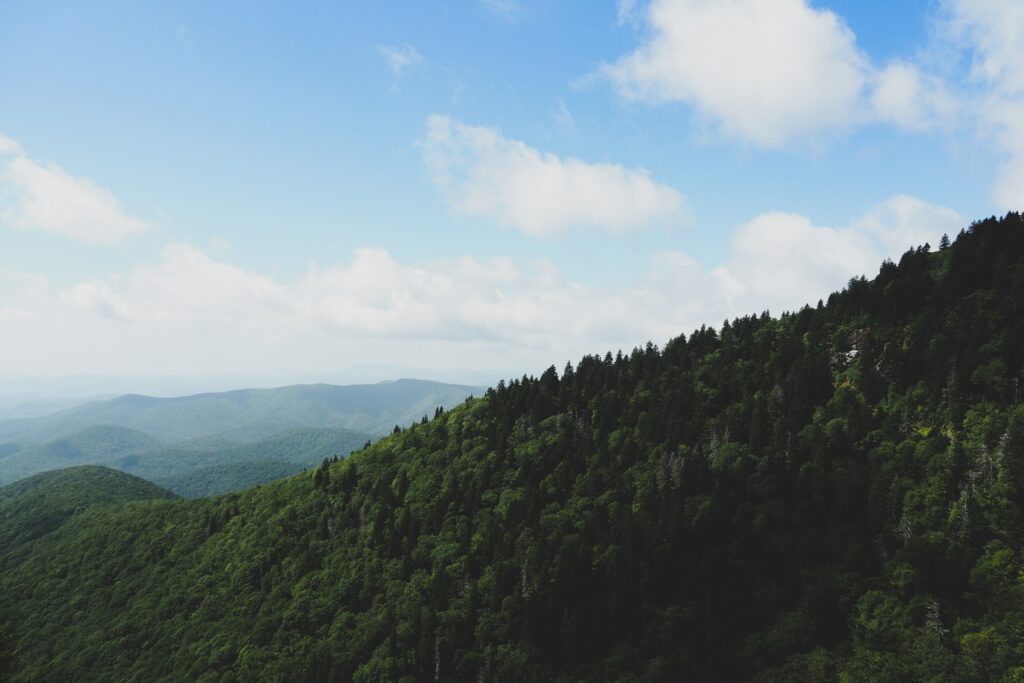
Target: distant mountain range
{"x": 190, "y": 468}
{"x": 250, "y": 414}
{"x": 20, "y": 407}
{"x": 217, "y": 442}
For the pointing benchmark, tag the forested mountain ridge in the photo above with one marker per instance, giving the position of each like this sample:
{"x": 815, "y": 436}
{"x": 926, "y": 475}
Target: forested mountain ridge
{"x": 34, "y": 507}
{"x": 836, "y": 494}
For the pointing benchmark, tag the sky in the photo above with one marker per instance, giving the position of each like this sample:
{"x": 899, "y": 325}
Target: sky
{"x": 309, "y": 191}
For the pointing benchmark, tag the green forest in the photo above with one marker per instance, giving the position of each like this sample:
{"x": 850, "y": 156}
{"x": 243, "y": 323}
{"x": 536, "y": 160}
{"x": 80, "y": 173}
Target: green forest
{"x": 835, "y": 494}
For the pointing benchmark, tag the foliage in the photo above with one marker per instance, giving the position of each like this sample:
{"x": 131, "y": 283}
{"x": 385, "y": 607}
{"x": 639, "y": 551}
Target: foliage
{"x": 836, "y": 494}
{"x": 8, "y": 650}
{"x": 33, "y": 507}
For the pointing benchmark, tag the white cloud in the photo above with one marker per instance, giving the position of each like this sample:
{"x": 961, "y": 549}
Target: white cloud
{"x": 780, "y": 261}
{"x": 9, "y": 146}
{"x": 399, "y": 57}
{"x": 901, "y": 222}
{"x": 97, "y": 298}
{"x": 1008, "y": 119}
{"x": 773, "y": 72}
{"x": 994, "y": 30}
{"x": 910, "y": 99}
{"x": 200, "y": 314}
{"x": 765, "y": 72}
{"x": 36, "y": 196}
{"x": 484, "y": 173}
{"x": 992, "y": 33}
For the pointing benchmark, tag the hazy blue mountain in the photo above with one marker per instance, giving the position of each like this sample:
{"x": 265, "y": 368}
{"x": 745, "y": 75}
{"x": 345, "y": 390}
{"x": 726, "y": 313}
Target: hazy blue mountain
{"x": 195, "y": 473}
{"x": 93, "y": 445}
{"x": 249, "y": 414}
{"x": 19, "y": 407}
{"x": 190, "y": 468}
{"x": 207, "y": 443}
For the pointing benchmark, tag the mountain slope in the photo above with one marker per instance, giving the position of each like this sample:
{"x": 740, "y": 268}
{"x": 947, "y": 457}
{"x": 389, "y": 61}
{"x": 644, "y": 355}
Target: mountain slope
{"x": 837, "y": 494}
{"x": 250, "y": 414}
{"x": 34, "y": 507}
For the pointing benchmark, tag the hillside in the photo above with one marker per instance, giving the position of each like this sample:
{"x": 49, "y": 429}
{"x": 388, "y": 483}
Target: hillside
{"x": 835, "y": 494}
{"x": 34, "y": 507}
{"x": 249, "y": 414}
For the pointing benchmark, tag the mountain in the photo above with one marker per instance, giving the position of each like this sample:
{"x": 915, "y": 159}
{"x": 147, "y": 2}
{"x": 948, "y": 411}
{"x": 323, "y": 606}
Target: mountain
{"x": 191, "y": 468}
{"x": 17, "y": 407}
{"x": 250, "y": 414}
{"x": 92, "y": 445}
{"x": 34, "y": 507}
{"x": 170, "y": 438}
{"x": 834, "y": 494}
{"x": 238, "y": 466}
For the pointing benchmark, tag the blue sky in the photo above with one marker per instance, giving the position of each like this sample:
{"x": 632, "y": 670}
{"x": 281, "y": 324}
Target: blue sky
{"x": 294, "y": 189}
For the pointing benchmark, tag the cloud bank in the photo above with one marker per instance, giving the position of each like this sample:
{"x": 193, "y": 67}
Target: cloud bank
{"x": 198, "y": 313}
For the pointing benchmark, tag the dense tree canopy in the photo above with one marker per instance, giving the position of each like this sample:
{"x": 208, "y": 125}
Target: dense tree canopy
{"x": 835, "y": 494}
